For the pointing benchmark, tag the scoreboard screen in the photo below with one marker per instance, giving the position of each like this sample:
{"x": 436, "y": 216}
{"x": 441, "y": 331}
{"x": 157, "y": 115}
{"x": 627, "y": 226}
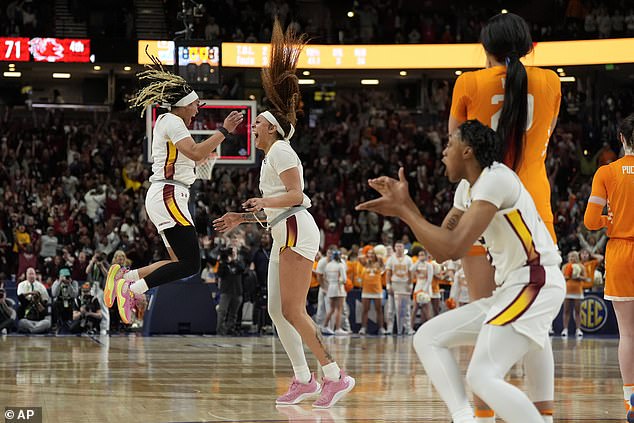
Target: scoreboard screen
{"x": 199, "y": 64}
{"x": 68, "y": 50}
{"x": 238, "y": 148}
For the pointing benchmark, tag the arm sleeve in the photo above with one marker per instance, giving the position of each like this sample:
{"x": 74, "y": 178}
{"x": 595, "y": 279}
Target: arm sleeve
{"x": 282, "y": 157}
{"x": 593, "y": 217}
{"x": 55, "y": 288}
{"x": 567, "y": 271}
{"x": 460, "y": 99}
{"x": 175, "y": 128}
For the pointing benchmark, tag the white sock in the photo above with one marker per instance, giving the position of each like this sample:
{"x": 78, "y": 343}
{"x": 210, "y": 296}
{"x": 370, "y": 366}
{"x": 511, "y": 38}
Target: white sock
{"x": 139, "y": 287}
{"x": 547, "y": 419}
{"x": 464, "y": 415}
{"x": 332, "y": 371}
{"x": 302, "y": 374}
{"x": 132, "y": 275}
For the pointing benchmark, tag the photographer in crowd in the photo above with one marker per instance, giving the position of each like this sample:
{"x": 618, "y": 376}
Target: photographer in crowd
{"x": 86, "y": 312}
{"x": 7, "y": 313}
{"x": 33, "y": 309}
{"x": 230, "y": 270}
{"x": 64, "y": 290}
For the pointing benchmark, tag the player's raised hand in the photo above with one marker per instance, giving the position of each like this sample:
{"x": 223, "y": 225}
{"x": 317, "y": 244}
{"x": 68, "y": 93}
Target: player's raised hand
{"x": 232, "y": 121}
{"x": 394, "y": 198}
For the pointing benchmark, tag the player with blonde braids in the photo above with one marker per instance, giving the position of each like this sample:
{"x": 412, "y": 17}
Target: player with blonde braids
{"x": 294, "y": 231}
{"x": 175, "y": 155}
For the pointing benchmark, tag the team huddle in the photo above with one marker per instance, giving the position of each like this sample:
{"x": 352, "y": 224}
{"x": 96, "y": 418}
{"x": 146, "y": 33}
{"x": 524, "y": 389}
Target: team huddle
{"x": 500, "y": 227}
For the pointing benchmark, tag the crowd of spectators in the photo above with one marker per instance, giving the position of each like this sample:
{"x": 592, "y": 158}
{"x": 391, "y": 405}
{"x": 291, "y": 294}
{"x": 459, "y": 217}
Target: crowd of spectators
{"x": 371, "y": 21}
{"x": 73, "y": 191}
{"x": 402, "y": 21}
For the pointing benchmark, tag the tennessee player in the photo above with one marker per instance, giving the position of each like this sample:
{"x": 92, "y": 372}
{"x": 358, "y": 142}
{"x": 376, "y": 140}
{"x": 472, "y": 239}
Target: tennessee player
{"x": 613, "y": 185}
{"x": 522, "y": 105}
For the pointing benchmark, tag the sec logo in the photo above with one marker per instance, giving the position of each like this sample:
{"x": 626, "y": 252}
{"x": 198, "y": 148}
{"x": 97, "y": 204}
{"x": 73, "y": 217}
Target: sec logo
{"x": 594, "y": 313}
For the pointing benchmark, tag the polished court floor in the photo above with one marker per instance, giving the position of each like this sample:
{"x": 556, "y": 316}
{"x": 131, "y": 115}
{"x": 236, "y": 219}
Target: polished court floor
{"x": 192, "y": 378}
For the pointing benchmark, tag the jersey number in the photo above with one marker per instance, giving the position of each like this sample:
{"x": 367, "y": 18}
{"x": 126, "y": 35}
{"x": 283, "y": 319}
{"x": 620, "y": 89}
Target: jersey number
{"x": 499, "y": 98}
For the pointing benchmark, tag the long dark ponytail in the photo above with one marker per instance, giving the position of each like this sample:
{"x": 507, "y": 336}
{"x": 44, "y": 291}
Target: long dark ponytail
{"x": 508, "y": 38}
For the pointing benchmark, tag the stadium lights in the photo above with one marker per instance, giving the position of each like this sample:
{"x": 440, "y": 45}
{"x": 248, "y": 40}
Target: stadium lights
{"x": 567, "y": 78}
{"x": 61, "y": 75}
{"x": 458, "y": 72}
{"x": 369, "y": 82}
{"x": 12, "y": 74}
{"x": 403, "y": 73}
{"x": 306, "y": 73}
{"x": 251, "y": 97}
{"x": 351, "y": 14}
{"x": 306, "y": 81}
{"x": 504, "y": 11}
{"x": 127, "y": 68}
{"x": 97, "y": 67}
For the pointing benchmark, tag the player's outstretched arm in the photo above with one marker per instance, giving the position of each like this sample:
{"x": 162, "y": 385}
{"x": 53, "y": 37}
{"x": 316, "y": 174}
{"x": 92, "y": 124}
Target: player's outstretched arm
{"x": 442, "y": 243}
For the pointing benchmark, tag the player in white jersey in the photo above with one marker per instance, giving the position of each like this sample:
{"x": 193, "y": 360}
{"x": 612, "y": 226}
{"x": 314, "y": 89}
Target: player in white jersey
{"x": 399, "y": 284}
{"x": 295, "y": 233}
{"x": 494, "y": 207}
{"x": 174, "y": 155}
{"x": 422, "y": 275}
{"x": 335, "y": 275}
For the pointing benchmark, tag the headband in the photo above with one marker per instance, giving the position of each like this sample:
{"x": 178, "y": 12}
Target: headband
{"x": 188, "y": 99}
{"x": 269, "y": 117}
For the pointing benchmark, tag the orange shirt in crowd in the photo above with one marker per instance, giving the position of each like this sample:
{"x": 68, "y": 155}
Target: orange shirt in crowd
{"x": 372, "y": 280}
{"x": 573, "y": 286}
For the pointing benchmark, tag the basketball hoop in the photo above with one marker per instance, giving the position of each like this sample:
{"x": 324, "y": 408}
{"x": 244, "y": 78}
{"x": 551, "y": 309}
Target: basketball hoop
{"x": 205, "y": 170}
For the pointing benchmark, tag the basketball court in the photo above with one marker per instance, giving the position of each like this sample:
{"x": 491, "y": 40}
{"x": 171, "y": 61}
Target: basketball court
{"x": 213, "y": 379}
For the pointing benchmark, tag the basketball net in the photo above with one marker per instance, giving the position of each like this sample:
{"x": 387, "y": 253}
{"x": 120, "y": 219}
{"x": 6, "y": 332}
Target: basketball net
{"x": 205, "y": 170}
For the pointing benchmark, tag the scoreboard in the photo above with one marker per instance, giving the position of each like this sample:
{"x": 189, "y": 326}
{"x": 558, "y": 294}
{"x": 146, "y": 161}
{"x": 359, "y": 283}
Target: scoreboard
{"x": 199, "y": 63}
{"x": 67, "y": 50}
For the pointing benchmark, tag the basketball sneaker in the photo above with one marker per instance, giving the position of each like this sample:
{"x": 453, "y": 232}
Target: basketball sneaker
{"x": 333, "y": 390}
{"x": 578, "y": 333}
{"x": 298, "y": 391}
{"x": 362, "y": 331}
{"x": 126, "y": 300}
{"x": 630, "y": 413}
{"x": 115, "y": 273}
{"x": 564, "y": 333}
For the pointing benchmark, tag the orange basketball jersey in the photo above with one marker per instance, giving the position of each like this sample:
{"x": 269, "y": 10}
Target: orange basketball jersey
{"x": 613, "y": 185}
{"x": 480, "y": 95}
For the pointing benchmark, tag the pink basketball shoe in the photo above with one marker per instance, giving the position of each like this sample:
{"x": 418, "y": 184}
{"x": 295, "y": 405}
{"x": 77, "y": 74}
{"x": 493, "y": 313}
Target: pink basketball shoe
{"x": 298, "y": 391}
{"x": 126, "y": 300}
{"x": 333, "y": 390}
{"x": 115, "y": 273}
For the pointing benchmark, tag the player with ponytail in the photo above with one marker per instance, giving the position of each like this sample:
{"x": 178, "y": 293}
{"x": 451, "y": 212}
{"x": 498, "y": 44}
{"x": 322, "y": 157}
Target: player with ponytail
{"x": 294, "y": 231}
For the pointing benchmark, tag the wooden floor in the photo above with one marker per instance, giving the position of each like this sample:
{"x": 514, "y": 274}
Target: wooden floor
{"x": 192, "y": 378}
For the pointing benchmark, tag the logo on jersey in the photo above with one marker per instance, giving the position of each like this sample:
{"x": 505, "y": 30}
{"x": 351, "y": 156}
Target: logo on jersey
{"x": 594, "y": 313}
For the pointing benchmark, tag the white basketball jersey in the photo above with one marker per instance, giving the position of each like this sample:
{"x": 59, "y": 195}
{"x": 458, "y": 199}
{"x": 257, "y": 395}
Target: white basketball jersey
{"x": 280, "y": 157}
{"x": 517, "y": 236}
{"x": 169, "y": 163}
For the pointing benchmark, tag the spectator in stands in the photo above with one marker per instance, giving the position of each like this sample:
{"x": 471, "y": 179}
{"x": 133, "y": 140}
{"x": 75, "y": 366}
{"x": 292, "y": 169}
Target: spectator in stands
{"x": 26, "y": 259}
{"x": 230, "y": 270}
{"x": 86, "y": 312}
{"x": 49, "y": 243}
{"x": 7, "y": 312}
{"x": 64, "y": 291}
{"x": 33, "y": 309}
